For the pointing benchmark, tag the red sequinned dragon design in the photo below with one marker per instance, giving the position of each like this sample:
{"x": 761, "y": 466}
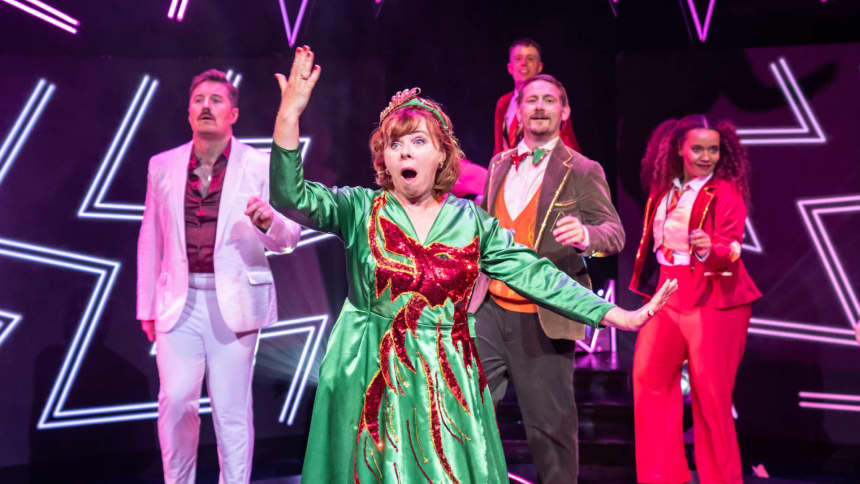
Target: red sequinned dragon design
{"x": 433, "y": 275}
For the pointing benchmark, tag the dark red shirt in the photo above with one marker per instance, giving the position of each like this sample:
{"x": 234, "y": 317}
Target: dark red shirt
{"x": 201, "y": 213}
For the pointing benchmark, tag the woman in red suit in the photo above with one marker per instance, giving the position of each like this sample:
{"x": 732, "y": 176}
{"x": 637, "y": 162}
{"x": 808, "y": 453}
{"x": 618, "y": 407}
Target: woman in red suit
{"x": 697, "y": 175}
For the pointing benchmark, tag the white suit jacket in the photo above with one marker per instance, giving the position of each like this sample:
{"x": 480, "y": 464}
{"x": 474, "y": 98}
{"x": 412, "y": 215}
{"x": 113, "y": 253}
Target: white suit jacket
{"x": 243, "y": 280}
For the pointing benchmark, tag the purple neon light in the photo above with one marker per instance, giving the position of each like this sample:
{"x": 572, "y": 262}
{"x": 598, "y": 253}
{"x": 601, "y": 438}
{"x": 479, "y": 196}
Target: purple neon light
{"x": 823, "y": 404}
{"x": 701, "y": 31}
{"x": 181, "y": 13}
{"x": 814, "y": 208}
{"x": 803, "y": 337}
{"x": 608, "y": 295}
{"x": 292, "y": 32}
{"x": 55, "y": 12}
{"x": 519, "y": 479}
{"x": 801, "y": 326}
{"x": 830, "y": 406}
{"x": 172, "y": 11}
{"x": 60, "y": 19}
{"x": 830, "y": 396}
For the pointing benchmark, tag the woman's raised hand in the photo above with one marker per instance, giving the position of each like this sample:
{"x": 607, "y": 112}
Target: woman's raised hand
{"x": 295, "y": 94}
{"x": 296, "y": 91}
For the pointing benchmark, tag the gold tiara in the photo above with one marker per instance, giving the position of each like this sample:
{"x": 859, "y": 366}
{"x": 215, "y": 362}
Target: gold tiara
{"x": 409, "y": 97}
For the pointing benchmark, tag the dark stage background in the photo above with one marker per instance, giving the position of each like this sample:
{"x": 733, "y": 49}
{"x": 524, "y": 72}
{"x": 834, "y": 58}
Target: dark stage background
{"x": 82, "y": 113}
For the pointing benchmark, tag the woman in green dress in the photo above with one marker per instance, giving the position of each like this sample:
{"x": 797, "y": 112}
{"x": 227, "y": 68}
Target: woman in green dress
{"x": 402, "y": 397}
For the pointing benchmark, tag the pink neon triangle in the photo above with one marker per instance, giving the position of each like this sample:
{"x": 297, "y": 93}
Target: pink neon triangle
{"x": 292, "y": 31}
{"x": 701, "y": 31}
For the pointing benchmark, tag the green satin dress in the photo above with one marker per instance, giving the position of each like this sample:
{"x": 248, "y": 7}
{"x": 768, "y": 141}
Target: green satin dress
{"x": 402, "y": 397}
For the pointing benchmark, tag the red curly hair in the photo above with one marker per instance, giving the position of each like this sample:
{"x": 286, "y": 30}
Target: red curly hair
{"x": 662, "y": 163}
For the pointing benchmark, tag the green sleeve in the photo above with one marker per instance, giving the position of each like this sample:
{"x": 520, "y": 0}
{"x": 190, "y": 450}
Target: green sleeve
{"x": 311, "y": 204}
{"x": 534, "y": 277}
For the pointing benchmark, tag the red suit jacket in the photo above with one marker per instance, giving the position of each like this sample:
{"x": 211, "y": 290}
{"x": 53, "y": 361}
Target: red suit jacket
{"x": 720, "y": 281}
{"x": 567, "y": 136}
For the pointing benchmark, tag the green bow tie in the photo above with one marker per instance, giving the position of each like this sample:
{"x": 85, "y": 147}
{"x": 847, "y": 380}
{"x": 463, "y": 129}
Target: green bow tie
{"x": 537, "y": 156}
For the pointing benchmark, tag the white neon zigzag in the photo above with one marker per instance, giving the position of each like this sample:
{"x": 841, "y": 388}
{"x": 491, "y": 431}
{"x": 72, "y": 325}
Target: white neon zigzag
{"x": 835, "y": 272}
{"x": 60, "y": 19}
{"x": 106, "y": 272}
{"x": 826, "y": 251}
{"x": 8, "y": 321}
{"x": 792, "y": 330}
{"x": 113, "y": 158}
{"x": 28, "y": 117}
{"x": 756, "y": 245}
{"x": 111, "y": 162}
{"x": 308, "y": 236}
{"x": 609, "y": 296}
{"x": 233, "y": 80}
{"x": 749, "y": 136}
{"x": 314, "y": 326}
{"x": 829, "y": 401}
{"x": 292, "y": 32}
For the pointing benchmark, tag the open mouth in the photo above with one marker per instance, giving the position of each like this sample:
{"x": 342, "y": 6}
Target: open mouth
{"x": 408, "y": 174}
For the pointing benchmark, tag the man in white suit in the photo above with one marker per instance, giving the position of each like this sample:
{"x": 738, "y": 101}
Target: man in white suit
{"x": 204, "y": 287}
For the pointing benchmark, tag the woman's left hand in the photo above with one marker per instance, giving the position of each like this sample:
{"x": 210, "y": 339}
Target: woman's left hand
{"x": 700, "y": 241}
{"x": 633, "y": 320}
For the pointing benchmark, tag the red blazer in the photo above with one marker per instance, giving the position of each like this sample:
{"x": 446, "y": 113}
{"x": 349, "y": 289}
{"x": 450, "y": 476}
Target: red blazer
{"x": 721, "y": 281}
{"x": 567, "y": 136}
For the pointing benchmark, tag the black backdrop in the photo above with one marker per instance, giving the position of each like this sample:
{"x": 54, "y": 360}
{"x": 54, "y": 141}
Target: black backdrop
{"x": 62, "y": 274}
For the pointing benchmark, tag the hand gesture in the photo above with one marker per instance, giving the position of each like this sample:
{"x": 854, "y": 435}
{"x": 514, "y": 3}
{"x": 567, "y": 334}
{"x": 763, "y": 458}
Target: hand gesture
{"x": 260, "y": 213}
{"x": 569, "y": 231}
{"x": 700, "y": 241}
{"x": 296, "y": 91}
{"x": 633, "y": 320}
{"x": 148, "y": 327}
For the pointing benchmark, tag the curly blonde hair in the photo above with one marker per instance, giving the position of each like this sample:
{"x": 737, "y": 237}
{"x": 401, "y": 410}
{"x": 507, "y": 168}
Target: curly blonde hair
{"x": 662, "y": 163}
{"x": 404, "y": 121}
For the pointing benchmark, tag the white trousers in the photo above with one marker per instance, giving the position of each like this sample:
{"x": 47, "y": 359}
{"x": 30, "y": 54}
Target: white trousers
{"x": 201, "y": 344}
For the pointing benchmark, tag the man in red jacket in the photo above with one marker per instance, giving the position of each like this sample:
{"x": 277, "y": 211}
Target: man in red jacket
{"x": 523, "y": 64}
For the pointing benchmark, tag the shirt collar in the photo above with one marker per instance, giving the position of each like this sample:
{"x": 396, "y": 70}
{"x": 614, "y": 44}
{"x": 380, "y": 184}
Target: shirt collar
{"x": 695, "y": 184}
{"x": 193, "y": 163}
{"x": 522, "y": 147}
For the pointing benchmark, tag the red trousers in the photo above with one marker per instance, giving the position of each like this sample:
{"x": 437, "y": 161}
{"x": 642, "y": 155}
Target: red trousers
{"x": 712, "y": 341}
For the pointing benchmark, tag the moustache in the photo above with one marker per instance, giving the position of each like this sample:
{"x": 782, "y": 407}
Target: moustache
{"x": 205, "y": 112}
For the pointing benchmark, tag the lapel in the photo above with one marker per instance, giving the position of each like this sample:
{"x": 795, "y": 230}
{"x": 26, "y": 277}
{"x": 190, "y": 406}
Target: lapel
{"x": 176, "y": 197}
{"x": 702, "y": 204}
{"x": 232, "y": 181}
{"x": 498, "y": 171}
{"x": 554, "y": 179}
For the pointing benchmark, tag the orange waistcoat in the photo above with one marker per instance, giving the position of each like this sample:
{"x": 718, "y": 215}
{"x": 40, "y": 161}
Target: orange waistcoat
{"x": 524, "y": 233}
